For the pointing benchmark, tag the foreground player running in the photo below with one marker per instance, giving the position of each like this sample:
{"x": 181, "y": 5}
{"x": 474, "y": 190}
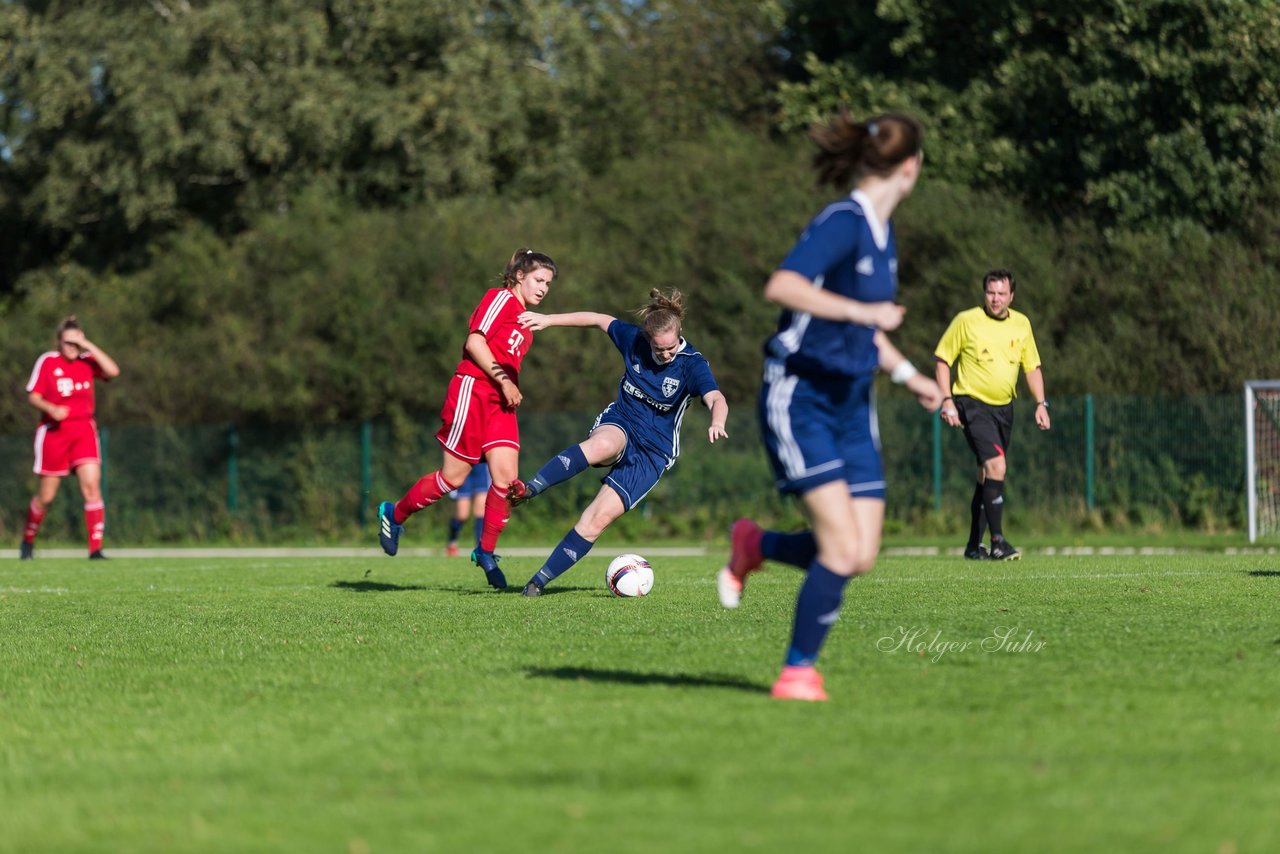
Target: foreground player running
{"x": 638, "y": 435}
{"x": 816, "y": 406}
{"x": 480, "y": 410}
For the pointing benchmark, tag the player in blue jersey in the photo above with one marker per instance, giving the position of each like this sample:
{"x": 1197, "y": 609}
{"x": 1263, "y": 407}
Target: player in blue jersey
{"x": 836, "y": 288}
{"x": 638, "y": 435}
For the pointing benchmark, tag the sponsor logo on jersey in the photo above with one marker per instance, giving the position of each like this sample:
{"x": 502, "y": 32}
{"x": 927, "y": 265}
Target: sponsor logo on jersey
{"x": 639, "y": 394}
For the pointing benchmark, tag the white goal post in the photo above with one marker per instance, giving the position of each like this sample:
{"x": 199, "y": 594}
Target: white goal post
{"x": 1262, "y": 456}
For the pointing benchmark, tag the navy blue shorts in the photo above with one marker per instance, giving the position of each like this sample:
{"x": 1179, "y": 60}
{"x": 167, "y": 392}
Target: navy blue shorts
{"x": 819, "y": 430}
{"x": 477, "y": 483}
{"x": 640, "y": 468}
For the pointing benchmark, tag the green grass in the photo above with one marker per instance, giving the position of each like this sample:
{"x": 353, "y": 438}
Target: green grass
{"x": 395, "y": 705}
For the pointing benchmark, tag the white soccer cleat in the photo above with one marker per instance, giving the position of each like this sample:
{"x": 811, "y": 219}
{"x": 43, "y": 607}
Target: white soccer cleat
{"x": 729, "y": 586}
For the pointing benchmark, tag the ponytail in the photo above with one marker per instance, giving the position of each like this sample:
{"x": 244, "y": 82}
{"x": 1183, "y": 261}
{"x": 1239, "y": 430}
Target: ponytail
{"x": 849, "y": 149}
{"x": 525, "y": 261}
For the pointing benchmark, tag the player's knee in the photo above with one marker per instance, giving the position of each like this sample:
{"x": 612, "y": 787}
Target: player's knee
{"x": 994, "y": 468}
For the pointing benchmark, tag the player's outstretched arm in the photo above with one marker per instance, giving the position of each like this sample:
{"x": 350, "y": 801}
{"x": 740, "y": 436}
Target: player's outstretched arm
{"x": 904, "y": 373}
{"x": 537, "y": 321}
{"x": 719, "y": 407}
{"x": 792, "y": 290}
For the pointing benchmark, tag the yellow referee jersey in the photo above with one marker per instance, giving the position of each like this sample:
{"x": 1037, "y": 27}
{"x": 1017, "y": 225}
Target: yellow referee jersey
{"x": 987, "y": 354}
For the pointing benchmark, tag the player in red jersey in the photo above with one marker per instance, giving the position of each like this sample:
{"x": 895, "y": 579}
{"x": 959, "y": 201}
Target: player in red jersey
{"x": 61, "y": 387}
{"x": 480, "y": 410}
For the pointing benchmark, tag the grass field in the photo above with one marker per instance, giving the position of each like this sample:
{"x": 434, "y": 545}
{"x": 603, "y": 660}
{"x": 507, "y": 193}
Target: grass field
{"x": 371, "y": 704}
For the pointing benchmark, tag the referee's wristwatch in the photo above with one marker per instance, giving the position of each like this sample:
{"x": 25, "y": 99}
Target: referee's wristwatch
{"x": 1044, "y": 403}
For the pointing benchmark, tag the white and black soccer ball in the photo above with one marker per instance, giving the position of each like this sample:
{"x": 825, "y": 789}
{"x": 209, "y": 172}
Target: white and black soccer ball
{"x": 629, "y": 576}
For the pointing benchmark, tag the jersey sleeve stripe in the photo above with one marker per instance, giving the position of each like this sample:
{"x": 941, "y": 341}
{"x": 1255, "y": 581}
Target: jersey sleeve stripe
{"x": 35, "y": 372}
{"x": 495, "y": 308}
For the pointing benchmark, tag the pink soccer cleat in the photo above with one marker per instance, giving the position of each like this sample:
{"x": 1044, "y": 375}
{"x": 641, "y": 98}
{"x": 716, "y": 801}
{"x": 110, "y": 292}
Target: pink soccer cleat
{"x": 744, "y": 558}
{"x": 799, "y": 683}
{"x": 451, "y": 550}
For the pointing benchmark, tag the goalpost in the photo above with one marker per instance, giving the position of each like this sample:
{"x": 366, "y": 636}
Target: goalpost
{"x": 1262, "y": 456}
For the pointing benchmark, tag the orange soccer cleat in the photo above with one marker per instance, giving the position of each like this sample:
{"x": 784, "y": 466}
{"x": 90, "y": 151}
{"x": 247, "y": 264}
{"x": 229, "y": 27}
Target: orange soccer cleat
{"x": 799, "y": 683}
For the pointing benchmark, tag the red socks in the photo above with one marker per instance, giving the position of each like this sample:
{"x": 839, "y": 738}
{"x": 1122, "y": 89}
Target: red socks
{"x": 95, "y": 523}
{"x": 35, "y": 515}
{"x": 427, "y": 491}
{"x": 496, "y": 513}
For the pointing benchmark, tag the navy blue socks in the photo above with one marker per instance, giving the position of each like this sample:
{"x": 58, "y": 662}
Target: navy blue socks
{"x": 798, "y": 549}
{"x": 572, "y": 549}
{"x": 558, "y": 469}
{"x": 817, "y": 608}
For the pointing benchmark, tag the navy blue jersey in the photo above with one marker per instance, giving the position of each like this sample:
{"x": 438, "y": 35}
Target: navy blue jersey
{"x": 848, "y": 251}
{"x": 652, "y": 398}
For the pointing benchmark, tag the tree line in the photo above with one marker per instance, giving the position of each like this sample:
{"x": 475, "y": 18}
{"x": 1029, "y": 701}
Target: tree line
{"x": 283, "y": 213}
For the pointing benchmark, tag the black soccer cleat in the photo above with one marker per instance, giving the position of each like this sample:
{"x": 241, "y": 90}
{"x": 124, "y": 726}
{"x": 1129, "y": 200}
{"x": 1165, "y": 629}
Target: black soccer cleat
{"x": 978, "y": 552}
{"x": 532, "y": 589}
{"x": 97, "y": 554}
{"x": 1001, "y": 549}
{"x": 26, "y": 551}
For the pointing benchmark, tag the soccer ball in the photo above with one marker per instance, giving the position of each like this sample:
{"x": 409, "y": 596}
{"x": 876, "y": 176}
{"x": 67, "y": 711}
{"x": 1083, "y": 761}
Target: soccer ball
{"x": 629, "y": 576}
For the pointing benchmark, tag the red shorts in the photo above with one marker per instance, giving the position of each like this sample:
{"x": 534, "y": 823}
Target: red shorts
{"x": 476, "y": 419}
{"x": 64, "y": 446}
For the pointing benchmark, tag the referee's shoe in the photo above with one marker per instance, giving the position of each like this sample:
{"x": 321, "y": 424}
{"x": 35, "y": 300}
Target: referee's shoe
{"x": 1002, "y": 549}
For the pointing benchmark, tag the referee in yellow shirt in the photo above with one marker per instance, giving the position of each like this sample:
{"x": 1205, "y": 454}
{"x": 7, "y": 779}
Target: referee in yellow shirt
{"x": 988, "y": 344}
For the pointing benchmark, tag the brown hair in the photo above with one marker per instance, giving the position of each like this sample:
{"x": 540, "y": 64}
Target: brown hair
{"x": 849, "y": 149}
{"x": 68, "y": 322}
{"x": 997, "y": 275}
{"x": 526, "y": 261}
{"x": 664, "y": 312}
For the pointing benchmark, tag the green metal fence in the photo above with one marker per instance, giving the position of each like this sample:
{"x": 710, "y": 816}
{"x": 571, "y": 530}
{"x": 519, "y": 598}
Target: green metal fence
{"x": 1113, "y": 458}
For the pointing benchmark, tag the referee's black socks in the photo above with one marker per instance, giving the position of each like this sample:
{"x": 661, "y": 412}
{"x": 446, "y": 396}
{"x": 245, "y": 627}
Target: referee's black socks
{"x": 993, "y": 505}
{"x": 977, "y": 524}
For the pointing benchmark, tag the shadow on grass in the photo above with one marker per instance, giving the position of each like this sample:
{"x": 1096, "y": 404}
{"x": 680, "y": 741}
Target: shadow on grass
{"x": 374, "y": 586}
{"x": 1262, "y": 573}
{"x": 631, "y": 677}
{"x": 483, "y": 589}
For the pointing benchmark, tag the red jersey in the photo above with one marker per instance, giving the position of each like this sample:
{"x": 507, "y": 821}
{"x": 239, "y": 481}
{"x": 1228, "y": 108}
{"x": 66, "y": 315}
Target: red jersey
{"x": 66, "y": 383}
{"x": 496, "y": 319}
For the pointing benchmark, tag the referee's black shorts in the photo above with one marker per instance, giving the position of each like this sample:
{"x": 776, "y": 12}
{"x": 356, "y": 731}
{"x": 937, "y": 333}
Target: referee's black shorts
{"x": 988, "y": 428}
